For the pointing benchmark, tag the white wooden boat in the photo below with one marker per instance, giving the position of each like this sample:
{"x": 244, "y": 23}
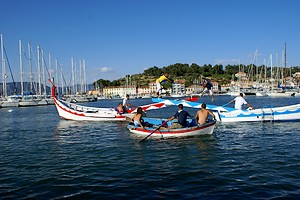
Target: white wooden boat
{"x": 225, "y": 114}
{"x": 72, "y": 111}
{"x": 276, "y": 114}
{"x": 192, "y": 130}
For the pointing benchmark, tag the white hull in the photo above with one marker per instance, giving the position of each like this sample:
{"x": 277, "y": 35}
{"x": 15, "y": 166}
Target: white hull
{"x": 225, "y": 114}
{"x": 261, "y": 94}
{"x": 285, "y": 113}
{"x": 75, "y": 112}
{"x": 7, "y": 104}
{"x": 281, "y": 94}
{"x": 27, "y": 103}
{"x": 11, "y": 101}
{"x": 71, "y": 111}
{"x": 206, "y": 129}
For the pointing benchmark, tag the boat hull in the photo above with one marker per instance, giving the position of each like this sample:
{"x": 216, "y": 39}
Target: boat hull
{"x": 75, "y": 112}
{"x": 277, "y": 114}
{"x": 194, "y": 130}
{"x": 225, "y": 114}
{"x": 71, "y": 111}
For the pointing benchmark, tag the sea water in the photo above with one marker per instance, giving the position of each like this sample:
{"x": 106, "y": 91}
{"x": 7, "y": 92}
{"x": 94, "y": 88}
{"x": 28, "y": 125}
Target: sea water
{"x": 45, "y": 157}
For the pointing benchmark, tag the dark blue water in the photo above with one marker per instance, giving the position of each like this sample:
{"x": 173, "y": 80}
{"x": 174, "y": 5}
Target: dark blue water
{"x": 44, "y": 157}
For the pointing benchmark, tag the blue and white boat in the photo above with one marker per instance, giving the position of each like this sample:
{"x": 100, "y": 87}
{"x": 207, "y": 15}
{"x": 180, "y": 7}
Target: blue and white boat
{"x": 225, "y": 114}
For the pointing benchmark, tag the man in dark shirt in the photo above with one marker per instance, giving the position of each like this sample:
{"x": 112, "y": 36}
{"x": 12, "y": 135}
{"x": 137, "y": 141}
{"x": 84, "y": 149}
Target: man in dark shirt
{"x": 181, "y": 115}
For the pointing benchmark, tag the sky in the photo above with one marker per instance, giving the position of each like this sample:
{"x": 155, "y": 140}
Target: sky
{"x": 120, "y": 37}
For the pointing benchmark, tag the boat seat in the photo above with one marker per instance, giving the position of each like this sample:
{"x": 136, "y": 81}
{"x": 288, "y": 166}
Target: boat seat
{"x": 191, "y": 123}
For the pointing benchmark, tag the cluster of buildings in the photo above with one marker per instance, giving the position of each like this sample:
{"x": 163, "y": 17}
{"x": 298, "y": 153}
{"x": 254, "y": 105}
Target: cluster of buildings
{"x": 179, "y": 88}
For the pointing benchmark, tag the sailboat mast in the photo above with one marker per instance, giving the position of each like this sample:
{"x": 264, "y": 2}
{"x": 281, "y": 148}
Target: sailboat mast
{"x": 73, "y": 77}
{"x": 56, "y": 74}
{"x": 50, "y": 68}
{"x": 284, "y": 65}
{"x": 39, "y": 71}
{"x": 80, "y": 76}
{"x": 3, "y": 68}
{"x": 84, "y": 77}
{"x": 21, "y": 67}
{"x": 30, "y": 66}
{"x": 271, "y": 75}
{"x": 62, "y": 82}
{"x": 44, "y": 75}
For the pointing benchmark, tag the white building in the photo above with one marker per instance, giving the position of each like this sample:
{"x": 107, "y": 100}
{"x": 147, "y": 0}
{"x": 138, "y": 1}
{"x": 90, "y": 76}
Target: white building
{"x": 119, "y": 91}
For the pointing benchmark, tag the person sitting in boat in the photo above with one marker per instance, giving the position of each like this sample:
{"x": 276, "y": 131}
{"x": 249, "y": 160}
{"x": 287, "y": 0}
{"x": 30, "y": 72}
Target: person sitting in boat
{"x": 137, "y": 118}
{"x": 120, "y": 108}
{"x": 240, "y": 101}
{"x": 207, "y": 88}
{"x": 202, "y": 115}
{"x": 126, "y": 103}
{"x": 181, "y": 115}
{"x": 162, "y": 79}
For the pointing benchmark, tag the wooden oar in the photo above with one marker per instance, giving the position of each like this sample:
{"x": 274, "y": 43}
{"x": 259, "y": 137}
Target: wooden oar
{"x": 153, "y": 131}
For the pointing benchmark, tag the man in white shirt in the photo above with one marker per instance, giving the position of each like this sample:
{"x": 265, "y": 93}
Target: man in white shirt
{"x": 126, "y": 102}
{"x": 240, "y": 101}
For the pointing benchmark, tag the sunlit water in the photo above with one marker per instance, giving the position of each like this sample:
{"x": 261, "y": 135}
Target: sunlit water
{"x": 45, "y": 157}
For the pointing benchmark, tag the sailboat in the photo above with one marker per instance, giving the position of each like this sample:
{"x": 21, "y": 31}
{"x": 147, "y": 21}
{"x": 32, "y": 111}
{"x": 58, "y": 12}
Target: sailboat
{"x": 26, "y": 100}
{"x": 282, "y": 89}
{"x": 8, "y": 101}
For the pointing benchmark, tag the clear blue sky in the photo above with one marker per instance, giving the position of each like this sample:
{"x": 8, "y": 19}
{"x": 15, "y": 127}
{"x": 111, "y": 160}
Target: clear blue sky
{"x": 119, "y": 37}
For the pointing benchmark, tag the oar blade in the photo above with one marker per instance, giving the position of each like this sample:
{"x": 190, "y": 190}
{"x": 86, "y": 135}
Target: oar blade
{"x": 153, "y": 131}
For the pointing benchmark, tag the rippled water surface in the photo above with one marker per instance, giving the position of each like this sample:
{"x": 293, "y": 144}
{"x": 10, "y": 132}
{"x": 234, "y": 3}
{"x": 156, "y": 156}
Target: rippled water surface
{"x": 45, "y": 157}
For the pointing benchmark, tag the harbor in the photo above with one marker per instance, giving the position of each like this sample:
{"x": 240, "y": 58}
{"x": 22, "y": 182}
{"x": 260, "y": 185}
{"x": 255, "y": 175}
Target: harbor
{"x": 43, "y": 156}
{"x": 143, "y": 100}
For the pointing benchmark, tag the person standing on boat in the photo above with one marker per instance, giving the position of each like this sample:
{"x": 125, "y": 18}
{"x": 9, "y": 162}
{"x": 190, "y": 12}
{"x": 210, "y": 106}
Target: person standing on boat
{"x": 240, "y": 101}
{"x": 162, "y": 79}
{"x": 202, "y": 115}
{"x": 181, "y": 115}
{"x": 126, "y": 102}
{"x": 207, "y": 88}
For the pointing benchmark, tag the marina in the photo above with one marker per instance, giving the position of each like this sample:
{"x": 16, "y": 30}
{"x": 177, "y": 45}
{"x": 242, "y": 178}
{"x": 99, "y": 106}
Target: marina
{"x": 102, "y": 99}
{"x": 43, "y": 156}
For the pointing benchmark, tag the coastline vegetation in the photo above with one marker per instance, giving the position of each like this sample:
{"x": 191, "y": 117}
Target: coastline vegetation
{"x": 192, "y": 73}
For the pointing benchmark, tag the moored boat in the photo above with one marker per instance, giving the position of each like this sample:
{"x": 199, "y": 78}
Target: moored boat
{"x": 11, "y": 101}
{"x": 166, "y": 132}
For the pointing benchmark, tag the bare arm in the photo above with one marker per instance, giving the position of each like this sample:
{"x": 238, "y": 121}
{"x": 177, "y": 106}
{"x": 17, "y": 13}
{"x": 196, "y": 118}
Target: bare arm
{"x": 212, "y": 114}
{"x": 170, "y": 119}
{"x": 250, "y": 106}
{"x": 139, "y": 120}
